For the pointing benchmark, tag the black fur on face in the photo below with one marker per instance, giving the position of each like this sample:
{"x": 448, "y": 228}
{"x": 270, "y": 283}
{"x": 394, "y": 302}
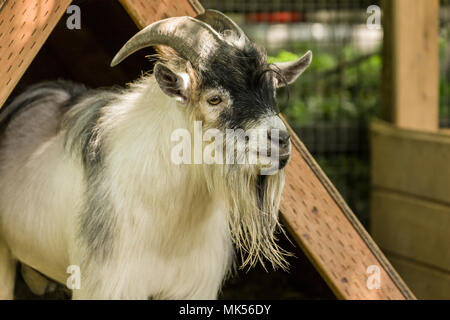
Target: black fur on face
{"x": 244, "y": 74}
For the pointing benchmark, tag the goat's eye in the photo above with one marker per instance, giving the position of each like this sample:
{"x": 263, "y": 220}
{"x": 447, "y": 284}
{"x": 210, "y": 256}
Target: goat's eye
{"x": 215, "y": 100}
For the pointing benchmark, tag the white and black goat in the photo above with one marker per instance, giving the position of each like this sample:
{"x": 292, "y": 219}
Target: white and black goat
{"x": 86, "y": 176}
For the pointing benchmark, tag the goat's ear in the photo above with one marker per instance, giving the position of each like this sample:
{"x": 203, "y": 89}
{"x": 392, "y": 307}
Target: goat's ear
{"x": 173, "y": 84}
{"x": 291, "y": 70}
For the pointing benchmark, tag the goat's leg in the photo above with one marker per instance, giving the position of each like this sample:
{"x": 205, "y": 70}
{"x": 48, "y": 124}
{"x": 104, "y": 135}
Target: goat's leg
{"x": 7, "y": 272}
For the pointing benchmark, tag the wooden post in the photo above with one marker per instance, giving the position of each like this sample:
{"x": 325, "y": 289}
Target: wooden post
{"x": 24, "y": 27}
{"x": 409, "y": 156}
{"x": 411, "y": 63}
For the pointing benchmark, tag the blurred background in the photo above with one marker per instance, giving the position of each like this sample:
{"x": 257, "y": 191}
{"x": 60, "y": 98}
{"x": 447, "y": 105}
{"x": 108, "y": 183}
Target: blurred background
{"x": 331, "y": 107}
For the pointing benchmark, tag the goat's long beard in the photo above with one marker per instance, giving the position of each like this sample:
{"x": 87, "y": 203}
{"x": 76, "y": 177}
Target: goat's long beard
{"x": 253, "y": 201}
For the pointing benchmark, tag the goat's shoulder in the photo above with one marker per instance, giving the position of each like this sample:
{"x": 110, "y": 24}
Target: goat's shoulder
{"x": 40, "y": 100}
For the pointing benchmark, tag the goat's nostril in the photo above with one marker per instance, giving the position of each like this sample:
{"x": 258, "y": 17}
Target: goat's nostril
{"x": 284, "y": 139}
{"x": 283, "y": 136}
{"x": 284, "y": 143}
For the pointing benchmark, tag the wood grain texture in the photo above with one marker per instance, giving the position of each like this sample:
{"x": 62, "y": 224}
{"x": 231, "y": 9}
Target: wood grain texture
{"x": 410, "y": 207}
{"x": 144, "y": 12}
{"x": 411, "y": 162}
{"x": 427, "y": 283}
{"x": 411, "y": 63}
{"x": 24, "y": 27}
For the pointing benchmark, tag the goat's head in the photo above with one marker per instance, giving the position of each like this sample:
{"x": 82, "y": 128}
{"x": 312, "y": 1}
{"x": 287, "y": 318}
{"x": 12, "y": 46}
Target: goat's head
{"x": 209, "y": 65}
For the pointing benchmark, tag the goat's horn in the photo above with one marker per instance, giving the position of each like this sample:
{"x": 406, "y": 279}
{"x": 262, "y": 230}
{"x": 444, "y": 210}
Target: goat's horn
{"x": 221, "y": 22}
{"x": 194, "y": 40}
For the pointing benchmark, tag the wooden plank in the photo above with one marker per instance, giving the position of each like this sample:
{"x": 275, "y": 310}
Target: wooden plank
{"x": 145, "y": 12}
{"x": 24, "y": 27}
{"x": 411, "y": 162}
{"x": 411, "y": 227}
{"x": 330, "y": 234}
{"x": 315, "y": 213}
{"x": 427, "y": 283}
{"x": 411, "y": 69}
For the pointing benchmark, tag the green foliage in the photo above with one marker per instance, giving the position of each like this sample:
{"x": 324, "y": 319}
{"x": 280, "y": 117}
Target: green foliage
{"x": 333, "y": 87}
{"x": 283, "y": 56}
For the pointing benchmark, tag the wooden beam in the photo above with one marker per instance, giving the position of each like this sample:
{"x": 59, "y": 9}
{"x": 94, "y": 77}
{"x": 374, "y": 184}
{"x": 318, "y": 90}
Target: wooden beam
{"x": 411, "y": 63}
{"x": 427, "y": 283}
{"x": 145, "y": 12}
{"x": 410, "y": 207}
{"x": 24, "y": 27}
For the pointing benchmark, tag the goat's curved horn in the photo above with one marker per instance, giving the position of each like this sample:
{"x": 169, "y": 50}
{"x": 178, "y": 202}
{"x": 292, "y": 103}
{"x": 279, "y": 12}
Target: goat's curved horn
{"x": 194, "y": 40}
{"x": 221, "y": 22}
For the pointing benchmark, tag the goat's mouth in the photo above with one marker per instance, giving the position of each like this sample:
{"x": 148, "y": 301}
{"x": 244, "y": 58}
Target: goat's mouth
{"x": 272, "y": 163}
{"x": 283, "y": 160}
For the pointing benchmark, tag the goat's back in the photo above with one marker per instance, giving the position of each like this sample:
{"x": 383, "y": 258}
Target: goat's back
{"x": 34, "y": 116}
{"x": 40, "y": 184}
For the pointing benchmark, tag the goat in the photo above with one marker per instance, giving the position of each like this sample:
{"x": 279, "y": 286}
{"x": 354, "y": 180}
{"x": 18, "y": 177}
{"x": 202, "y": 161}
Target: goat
{"x": 86, "y": 177}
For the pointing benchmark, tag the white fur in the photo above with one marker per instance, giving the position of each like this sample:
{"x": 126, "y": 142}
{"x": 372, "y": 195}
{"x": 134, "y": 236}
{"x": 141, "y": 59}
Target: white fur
{"x": 171, "y": 239}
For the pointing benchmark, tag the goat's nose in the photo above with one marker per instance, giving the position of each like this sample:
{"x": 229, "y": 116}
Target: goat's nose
{"x": 284, "y": 145}
{"x": 283, "y": 140}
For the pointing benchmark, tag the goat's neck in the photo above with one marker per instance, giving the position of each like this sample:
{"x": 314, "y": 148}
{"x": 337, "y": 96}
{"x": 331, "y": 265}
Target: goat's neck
{"x": 140, "y": 155}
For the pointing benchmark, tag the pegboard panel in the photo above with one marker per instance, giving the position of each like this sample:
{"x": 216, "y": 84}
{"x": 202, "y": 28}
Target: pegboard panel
{"x": 144, "y": 12}
{"x": 24, "y": 27}
{"x": 330, "y": 234}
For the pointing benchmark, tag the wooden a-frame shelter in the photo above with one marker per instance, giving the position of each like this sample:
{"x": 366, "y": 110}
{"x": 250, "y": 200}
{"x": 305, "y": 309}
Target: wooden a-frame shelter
{"x": 312, "y": 209}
